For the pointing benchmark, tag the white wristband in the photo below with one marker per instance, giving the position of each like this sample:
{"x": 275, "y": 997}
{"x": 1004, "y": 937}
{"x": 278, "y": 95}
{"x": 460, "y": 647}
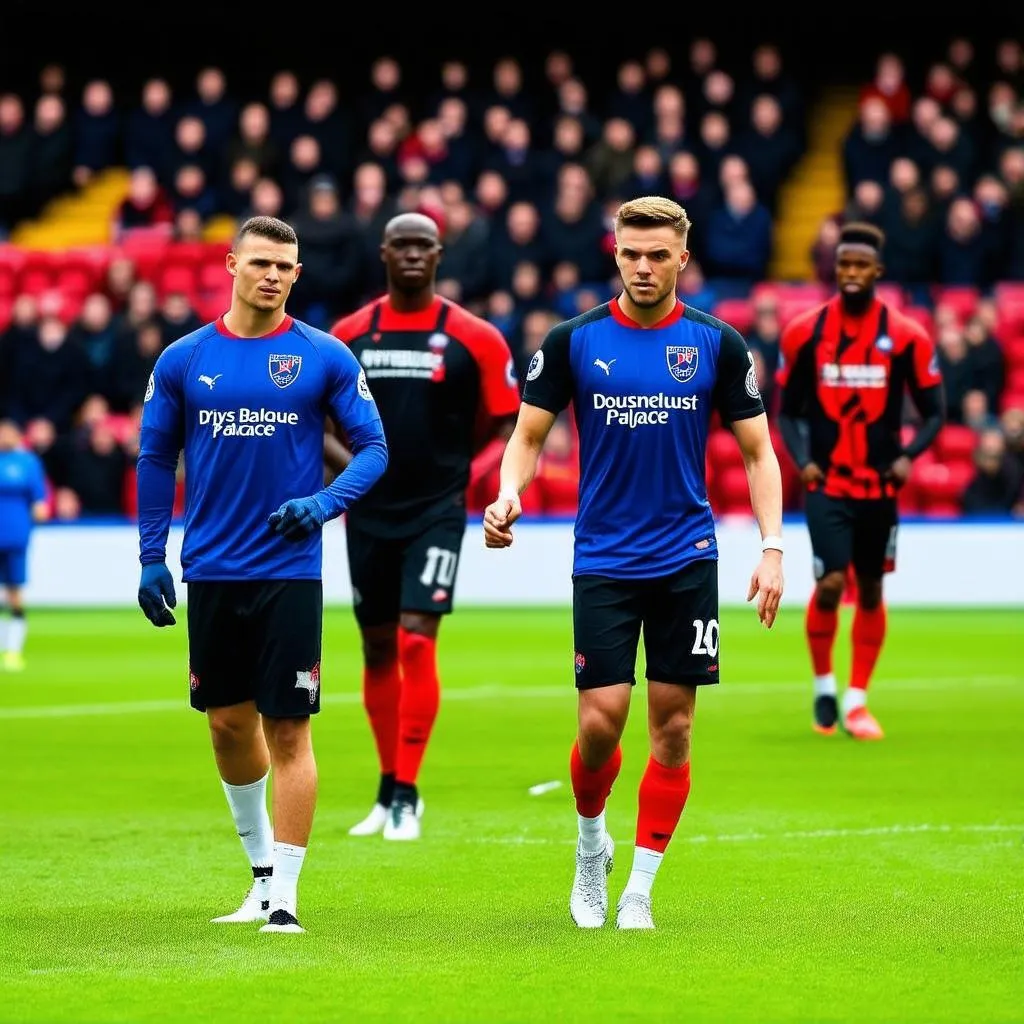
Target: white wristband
{"x": 508, "y": 494}
{"x": 772, "y": 544}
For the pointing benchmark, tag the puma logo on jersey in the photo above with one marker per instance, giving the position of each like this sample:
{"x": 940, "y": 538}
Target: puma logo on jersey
{"x": 607, "y": 367}
{"x": 209, "y": 381}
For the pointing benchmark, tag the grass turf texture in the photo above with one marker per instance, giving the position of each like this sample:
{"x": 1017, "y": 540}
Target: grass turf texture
{"x": 811, "y": 878}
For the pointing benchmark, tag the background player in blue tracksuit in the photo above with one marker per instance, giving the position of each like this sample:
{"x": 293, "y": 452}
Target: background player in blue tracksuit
{"x": 245, "y": 398}
{"x": 22, "y": 503}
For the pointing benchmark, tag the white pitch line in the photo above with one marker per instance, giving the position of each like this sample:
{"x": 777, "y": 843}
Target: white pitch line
{"x": 760, "y": 837}
{"x": 489, "y": 691}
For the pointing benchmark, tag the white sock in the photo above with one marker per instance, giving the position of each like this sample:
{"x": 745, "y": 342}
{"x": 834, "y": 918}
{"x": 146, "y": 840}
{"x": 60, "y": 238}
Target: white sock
{"x": 285, "y": 880}
{"x": 854, "y": 698}
{"x": 5, "y": 629}
{"x": 249, "y": 809}
{"x": 645, "y": 867}
{"x": 825, "y": 686}
{"x": 592, "y": 833}
{"x": 16, "y": 630}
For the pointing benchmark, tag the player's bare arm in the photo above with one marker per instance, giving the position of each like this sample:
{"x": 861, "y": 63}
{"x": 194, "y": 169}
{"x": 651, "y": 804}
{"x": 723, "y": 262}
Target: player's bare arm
{"x": 518, "y": 466}
{"x": 765, "y": 480}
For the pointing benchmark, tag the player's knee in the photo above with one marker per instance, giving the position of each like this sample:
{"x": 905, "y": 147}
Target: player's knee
{"x": 421, "y": 624}
{"x": 670, "y": 740}
{"x": 600, "y": 725}
{"x": 288, "y": 738}
{"x": 869, "y": 593}
{"x": 231, "y": 729}
{"x": 380, "y": 646}
{"x": 829, "y": 591}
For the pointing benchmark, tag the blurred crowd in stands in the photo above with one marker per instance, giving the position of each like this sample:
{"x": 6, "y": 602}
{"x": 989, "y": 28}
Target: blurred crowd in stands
{"x": 523, "y": 178}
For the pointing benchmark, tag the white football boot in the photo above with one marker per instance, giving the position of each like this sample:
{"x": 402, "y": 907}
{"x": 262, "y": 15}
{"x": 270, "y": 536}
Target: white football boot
{"x": 375, "y": 821}
{"x": 255, "y": 907}
{"x": 588, "y": 901}
{"x": 284, "y": 922}
{"x": 403, "y": 820}
{"x": 634, "y": 912}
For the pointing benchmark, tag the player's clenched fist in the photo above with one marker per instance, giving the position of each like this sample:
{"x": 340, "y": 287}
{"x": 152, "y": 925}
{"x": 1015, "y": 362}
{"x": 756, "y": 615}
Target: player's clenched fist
{"x": 498, "y": 519}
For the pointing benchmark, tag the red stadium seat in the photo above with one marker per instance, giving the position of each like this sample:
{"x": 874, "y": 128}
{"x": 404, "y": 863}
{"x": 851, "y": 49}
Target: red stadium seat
{"x": 38, "y": 273}
{"x": 793, "y": 306}
{"x": 921, "y": 315}
{"x": 738, "y": 313}
{"x": 955, "y": 443}
{"x": 177, "y": 278}
{"x": 1011, "y": 400}
{"x": 1013, "y": 348}
{"x": 891, "y": 294}
{"x": 8, "y": 281}
{"x": 722, "y": 450}
{"x": 1015, "y": 378}
{"x": 908, "y": 500}
{"x": 6, "y": 312}
{"x": 943, "y": 510}
{"x": 147, "y": 252}
{"x": 11, "y": 262}
{"x": 1009, "y": 296}
{"x": 941, "y": 484}
{"x": 732, "y": 492}
{"x": 962, "y": 298}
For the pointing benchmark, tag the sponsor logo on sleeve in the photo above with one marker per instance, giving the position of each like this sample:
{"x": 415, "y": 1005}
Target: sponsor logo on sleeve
{"x": 536, "y": 367}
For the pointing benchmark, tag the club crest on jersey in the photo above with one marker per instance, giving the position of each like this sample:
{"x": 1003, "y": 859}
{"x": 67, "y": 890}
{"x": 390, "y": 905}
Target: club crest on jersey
{"x": 437, "y": 342}
{"x": 682, "y": 361}
{"x": 884, "y": 344}
{"x": 284, "y": 369}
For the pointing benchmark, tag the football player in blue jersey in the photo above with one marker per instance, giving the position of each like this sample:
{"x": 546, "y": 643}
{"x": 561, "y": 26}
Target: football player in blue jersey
{"x": 644, "y": 374}
{"x": 22, "y": 505}
{"x": 244, "y": 398}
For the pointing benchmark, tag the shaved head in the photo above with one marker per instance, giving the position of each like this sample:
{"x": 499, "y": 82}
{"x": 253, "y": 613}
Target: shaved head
{"x": 411, "y": 224}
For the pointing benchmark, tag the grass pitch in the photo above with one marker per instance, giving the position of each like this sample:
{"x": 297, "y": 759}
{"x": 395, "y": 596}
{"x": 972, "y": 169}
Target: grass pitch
{"x": 811, "y": 879}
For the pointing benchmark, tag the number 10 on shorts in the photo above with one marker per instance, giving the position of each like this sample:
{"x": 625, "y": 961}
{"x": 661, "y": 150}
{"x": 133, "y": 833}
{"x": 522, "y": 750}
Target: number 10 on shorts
{"x": 439, "y": 568}
{"x": 705, "y": 638}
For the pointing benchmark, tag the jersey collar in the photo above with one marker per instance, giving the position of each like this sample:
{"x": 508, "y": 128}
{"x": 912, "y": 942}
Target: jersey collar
{"x": 284, "y": 327}
{"x": 673, "y": 316}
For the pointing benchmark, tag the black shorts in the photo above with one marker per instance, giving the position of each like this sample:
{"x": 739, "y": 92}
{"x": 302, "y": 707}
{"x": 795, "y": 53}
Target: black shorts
{"x": 404, "y": 574}
{"x": 852, "y": 531}
{"x": 679, "y": 618}
{"x": 256, "y": 641}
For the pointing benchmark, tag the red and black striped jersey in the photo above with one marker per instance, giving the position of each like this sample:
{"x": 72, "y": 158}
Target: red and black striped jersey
{"x": 847, "y": 378}
{"x": 439, "y": 376}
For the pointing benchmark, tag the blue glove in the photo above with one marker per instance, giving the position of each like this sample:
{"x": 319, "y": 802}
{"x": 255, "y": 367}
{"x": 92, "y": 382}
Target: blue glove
{"x": 297, "y": 519}
{"x": 156, "y": 594}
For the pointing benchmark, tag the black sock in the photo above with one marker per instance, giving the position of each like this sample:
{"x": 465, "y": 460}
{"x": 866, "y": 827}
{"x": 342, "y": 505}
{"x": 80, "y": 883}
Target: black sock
{"x": 386, "y": 789}
{"x": 406, "y": 793}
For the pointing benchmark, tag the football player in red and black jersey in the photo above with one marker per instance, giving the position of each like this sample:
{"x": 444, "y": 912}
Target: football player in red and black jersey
{"x": 844, "y": 369}
{"x": 445, "y": 385}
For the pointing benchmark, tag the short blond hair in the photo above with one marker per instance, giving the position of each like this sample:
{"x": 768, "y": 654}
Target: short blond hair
{"x": 653, "y": 212}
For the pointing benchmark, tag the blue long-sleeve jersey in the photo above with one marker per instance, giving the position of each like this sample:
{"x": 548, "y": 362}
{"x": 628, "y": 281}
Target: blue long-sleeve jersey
{"x": 248, "y": 413}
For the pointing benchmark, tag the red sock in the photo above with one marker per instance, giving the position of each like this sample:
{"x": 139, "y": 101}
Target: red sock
{"x": 591, "y": 788}
{"x": 421, "y": 696}
{"x": 868, "y": 637}
{"x": 663, "y": 793}
{"x": 382, "y": 687}
{"x": 821, "y": 635}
